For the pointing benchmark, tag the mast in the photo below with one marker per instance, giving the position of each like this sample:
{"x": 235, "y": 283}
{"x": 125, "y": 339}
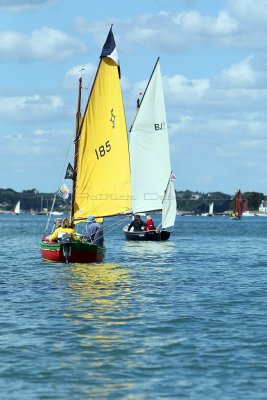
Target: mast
{"x": 76, "y": 149}
{"x": 139, "y": 102}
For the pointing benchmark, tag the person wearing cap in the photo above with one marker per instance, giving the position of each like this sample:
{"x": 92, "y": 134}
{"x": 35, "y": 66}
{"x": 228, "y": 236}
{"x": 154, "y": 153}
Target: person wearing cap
{"x": 137, "y": 224}
{"x": 94, "y": 231}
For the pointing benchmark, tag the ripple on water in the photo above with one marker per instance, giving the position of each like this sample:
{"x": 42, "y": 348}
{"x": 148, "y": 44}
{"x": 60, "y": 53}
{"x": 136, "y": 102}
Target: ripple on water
{"x": 180, "y": 319}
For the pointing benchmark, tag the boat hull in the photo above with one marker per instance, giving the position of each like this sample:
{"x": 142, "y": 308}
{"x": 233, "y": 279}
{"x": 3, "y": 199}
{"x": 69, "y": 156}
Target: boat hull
{"x": 80, "y": 252}
{"x": 146, "y": 235}
{"x": 235, "y": 217}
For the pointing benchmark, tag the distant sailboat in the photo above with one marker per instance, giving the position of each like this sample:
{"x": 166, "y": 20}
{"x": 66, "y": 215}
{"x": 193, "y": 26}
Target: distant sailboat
{"x": 17, "y": 208}
{"x": 101, "y": 181}
{"x": 210, "y": 213}
{"x": 240, "y": 205}
{"x": 151, "y": 173}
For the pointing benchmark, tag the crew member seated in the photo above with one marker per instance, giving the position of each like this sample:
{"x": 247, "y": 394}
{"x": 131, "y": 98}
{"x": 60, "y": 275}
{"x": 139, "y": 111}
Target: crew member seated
{"x": 64, "y": 228}
{"x": 149, "y": 224}
{"x": 137, "y": 224}
{"x": 94, "y": 231}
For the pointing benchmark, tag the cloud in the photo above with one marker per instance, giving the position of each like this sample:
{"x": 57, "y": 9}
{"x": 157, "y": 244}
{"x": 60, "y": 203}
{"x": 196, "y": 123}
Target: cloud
{"x": 193, "y": 23}
{"x": 163, "y": 31}
{"x": 87, "y": 71}
{"x": 180, "y": 89}
{"x": 31, "y": 151}
{"x": 44, "y": 44}
{"x": 217, "y": 124}
{"x": 239, "y": 74}
{"x": 242, "y": 24}
{"x": 18, "y": 6}
{"x": 249, "y": 12}
{"x": 31, "y": 108}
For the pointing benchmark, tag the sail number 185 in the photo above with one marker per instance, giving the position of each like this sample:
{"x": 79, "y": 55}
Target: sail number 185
{"x": 102, "y": 150}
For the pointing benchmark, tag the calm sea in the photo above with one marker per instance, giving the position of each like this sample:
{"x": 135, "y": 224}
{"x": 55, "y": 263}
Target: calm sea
{"x": 184, "y": 319}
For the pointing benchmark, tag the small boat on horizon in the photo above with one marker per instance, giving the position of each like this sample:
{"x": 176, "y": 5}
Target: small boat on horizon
{"x": 210, "y": 213}
{"x": 248, "y": 214}
{"x": 16, "y": 210}
{"x": 240, "y": 205}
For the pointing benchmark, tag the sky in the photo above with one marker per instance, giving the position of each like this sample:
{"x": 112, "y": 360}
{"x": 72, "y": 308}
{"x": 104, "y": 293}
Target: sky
{"x": 213, "y": 57}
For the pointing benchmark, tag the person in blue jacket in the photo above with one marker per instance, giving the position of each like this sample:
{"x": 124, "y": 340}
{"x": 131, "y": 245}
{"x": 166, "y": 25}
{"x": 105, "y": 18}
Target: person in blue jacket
{"x": 94, "y": 231}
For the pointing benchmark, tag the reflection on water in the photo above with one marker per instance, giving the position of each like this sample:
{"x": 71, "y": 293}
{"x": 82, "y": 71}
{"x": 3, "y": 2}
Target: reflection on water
{"x": 158, "y": 252}
{"x": 98, "y": 287}
{"x": 101, "y": 313}
{"x": 178, "y": 319}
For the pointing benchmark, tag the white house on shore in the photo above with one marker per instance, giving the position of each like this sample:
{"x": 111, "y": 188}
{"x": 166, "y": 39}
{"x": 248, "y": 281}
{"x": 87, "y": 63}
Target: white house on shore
{"x": 263, "y": 206}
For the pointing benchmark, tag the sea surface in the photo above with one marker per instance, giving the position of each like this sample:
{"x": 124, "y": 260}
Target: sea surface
{"x": 182, "y": 319}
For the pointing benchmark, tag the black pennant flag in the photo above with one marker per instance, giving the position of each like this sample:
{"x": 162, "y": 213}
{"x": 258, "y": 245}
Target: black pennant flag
{"x": 69, "y": 172}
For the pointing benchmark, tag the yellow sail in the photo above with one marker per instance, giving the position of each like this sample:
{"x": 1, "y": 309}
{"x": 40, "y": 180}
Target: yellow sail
{"x": 103, "y": 169}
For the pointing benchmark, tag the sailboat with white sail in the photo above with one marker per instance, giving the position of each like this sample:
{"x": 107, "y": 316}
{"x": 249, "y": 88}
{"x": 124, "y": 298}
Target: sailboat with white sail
{"x": 151, "y": 174}
{"x": 16, "y": 210}
{"x": 101, "y": 172}
{"x": 210, "y": 213}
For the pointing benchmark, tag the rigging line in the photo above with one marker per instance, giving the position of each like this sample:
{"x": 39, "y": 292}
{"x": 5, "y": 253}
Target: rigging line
{"x": 55, "y": 194}
{"x": 91, "y": 79}
{"x": 50, "y": 213}
{"x": 108, "y": 231}
{"x": 116, "y": 224}
{"x": 65, "y": 161}
{"x": 60, "y": 180}
{"x": 90, "y": 84}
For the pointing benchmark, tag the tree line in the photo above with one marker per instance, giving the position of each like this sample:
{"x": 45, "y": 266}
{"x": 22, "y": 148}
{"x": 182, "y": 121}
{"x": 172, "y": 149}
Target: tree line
{"x": 196, "y": 202}
{"x": 31, "y": 200}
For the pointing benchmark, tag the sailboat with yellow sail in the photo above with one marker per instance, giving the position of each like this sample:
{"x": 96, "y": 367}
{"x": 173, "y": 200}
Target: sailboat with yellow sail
{"x": 101, "y": 172}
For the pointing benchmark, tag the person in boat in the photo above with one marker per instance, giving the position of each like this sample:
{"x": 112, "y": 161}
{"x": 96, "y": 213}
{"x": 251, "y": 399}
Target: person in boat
{"x": 235, "y": 215}
{"x": 57, "y": 224}
{"x": 137, "y": 224}
{"x": 65, "y": 227}
{"x": 149, "y": 224}
{"x": 94, "y": 231}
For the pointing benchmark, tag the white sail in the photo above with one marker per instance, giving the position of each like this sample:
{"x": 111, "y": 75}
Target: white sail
{"x": 169, "y": 207}
{"x": 211, "y": 209}
{"x": 149, "y": 148}
{"x": 17, "y": 208}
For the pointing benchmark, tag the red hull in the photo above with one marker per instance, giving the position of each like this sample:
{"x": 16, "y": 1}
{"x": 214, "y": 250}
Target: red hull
{"x": 81, "y": 252}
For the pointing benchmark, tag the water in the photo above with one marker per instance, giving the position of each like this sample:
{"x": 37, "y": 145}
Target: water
{"x": 184, "y": 319}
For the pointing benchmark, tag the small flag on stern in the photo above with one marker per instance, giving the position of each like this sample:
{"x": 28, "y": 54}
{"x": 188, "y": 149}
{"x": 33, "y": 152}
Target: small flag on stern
{"x": 110, "y": 50}
{"x": 63, "y": 192}
{"x": 173, "y": 177}
{"x": 69, "y": 172}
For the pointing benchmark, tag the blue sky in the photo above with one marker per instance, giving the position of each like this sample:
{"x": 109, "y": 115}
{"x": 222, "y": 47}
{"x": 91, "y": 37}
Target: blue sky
{"x": 214, "y": 67}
